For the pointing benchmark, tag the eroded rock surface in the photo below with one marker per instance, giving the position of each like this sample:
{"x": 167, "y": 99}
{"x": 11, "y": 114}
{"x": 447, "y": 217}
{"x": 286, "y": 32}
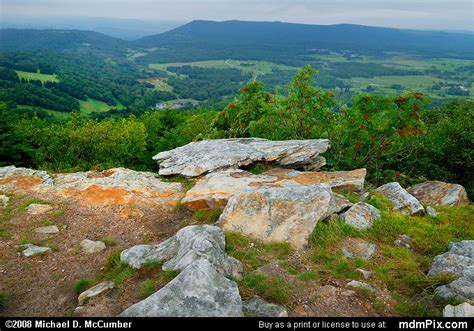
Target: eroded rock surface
{"x": 201, "y": 157}
{"x": 257, "y": 307}
{"x": 440, "y": 193}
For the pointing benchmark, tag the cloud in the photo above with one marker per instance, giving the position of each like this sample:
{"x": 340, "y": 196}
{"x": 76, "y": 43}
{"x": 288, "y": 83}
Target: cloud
{"x": 438, "y": 14}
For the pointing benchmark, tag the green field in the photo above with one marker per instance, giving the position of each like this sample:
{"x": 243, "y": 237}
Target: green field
{"x": 92, "y": 105}
{"x": 37, "y": 76}
{"x": 256, "y": 68}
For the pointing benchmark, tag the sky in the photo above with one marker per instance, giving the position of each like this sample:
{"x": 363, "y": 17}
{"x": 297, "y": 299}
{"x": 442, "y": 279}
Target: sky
{"x": 418, "y": 14}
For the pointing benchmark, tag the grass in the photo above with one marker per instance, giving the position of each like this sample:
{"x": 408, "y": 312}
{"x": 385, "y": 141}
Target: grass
{"x": 3, "y": 299}
{"x": 82, "y": 285}
{"x": 24, "y": 206}
{"x": 186, "y": 182}
{"x": 37, "y": 76}
{"x": 146, "y": 288}
{"x": 270, "y": 288}
{"x": 115, "y": 270}
{"x": 207, "y": 216}
{"x": 108, "y": 241}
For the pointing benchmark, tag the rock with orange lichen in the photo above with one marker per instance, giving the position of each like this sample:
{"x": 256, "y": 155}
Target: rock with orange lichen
{"x": 215, "y": 189}
{"x": 439, "y": 193}
{"x": 113, "y": 187}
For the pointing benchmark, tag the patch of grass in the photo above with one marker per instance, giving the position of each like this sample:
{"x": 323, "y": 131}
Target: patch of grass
{"x": 94, "y": 106}
{"x": 54, "y": 247}
{"x": 379, "y": 201}
{"x": 186, "y": 182}
{"x": 108, "y": 241}
{"x": 115, "y": 270}
{"x": 308, "y": 275}
{"x": 166, "y": 276}
{"x": 254, "y": 254}
{"x": 57, "y": 213}
{"x": 82, "y": 285}
{"x": 47, "y": 222}
{"x": 207, "y": 216}
{"x": 37, "y": 76}
{"x": 258, "y": 168}
{"x": 328, "y": 233}
{"x": 4, "y": 234}
{"x": 28, "y": 202}
{"x": 351, "y": 196}
{"x": 146, "y": 288}
{"x": 3, "y": 299}
{"x": 269, "y": 288}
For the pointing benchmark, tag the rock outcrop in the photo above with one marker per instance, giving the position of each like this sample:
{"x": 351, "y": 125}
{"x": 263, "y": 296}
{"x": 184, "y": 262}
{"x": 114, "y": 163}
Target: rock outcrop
{"x": 458, "y": 262}
{"x": 198, "y": 291}
{"x": 113, "y": 187}
{"x": 402, "y": 201}
{"x": 188, "y": 245}
{"x": 361, "y": 216}
{"x": 439, "y": 193}
{"x": 279, "y": 214}
{"x": 215, "y": 189}
{"x": 201, "y": 157}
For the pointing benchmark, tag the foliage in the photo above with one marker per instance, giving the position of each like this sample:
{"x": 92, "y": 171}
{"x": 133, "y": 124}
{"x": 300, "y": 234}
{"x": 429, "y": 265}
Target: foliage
{"x": 82, "y": 284}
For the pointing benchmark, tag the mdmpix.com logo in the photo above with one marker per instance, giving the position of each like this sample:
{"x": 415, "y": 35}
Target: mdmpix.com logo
{"x": 433, "y": 324}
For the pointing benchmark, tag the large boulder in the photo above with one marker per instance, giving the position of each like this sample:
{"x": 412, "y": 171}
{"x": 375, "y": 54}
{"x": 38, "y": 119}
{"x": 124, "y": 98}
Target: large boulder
{"x": 361, "y": 216}
{"x": 439, "y": 193}
{"x": 458, "y": 262}
{"x": 188, "y": 245}
{"x": 198, "y": 291}
{"x": 215, "y": 189}
{"x": 20, "y": 180}
{"x": 201, "y": 157}
{"x": 462, "y": 310}
{"x": 279, "y": 214}
{"x": 402, "y": 201}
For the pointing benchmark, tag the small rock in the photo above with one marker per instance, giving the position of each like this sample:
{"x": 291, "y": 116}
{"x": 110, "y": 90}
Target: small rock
{"x": 431, "y": 211}
{"x": 4, "y": 200}
{"x": 366, "y": 274}
{"x": 34, "y": 250}
{"x": 440, "y": 194}
{"x": 360, "y": 285}
{"x": 462, "y": 310}
{"x": 50, "y": 229}
{"x": 358, "y": 248}
{"x": 38, "y": 208}
{"x": 361, "y": 216}
{"x": 95, "y": 291}
{"x": 91, "y": 247}
{"x": 257, "y": 307}
{"x": 403, "y": 240}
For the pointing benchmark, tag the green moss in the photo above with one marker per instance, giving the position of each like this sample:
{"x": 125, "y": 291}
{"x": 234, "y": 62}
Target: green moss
{"x": 308, "y": 275}
{"x": 3, "y": 299}
{"x": 186, "y": 182}
{"x": 108, "y": 241}
{"x": 146, "y": 288}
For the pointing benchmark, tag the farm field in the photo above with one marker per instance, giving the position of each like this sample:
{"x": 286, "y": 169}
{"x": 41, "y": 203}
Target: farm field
{"x": 37, "y": 76}
{"x": 91, "y": 105}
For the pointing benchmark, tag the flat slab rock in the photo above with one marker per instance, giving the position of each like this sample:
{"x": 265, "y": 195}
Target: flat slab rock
{"x": 34, "y": 250}
{"x": 92, "y": 247}
{"x": 50, "y": 229}
{"x": 198, "y": 291}
{"x": 188, "y": 245}
{"x": 402, "y": 201}
{"x": 201, "y": 157}
{"x": 117, "y": 186}
{"x": 38, "y": 208}
{"x": 214, "y": 189}
{"x": 279, "y": 214}
{"x": 440, "y": 193}
{"x": 458, "y": 262}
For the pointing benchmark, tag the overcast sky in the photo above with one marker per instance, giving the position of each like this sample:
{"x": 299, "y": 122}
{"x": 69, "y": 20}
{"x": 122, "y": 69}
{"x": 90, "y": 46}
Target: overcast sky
{"x": 424, "y": 14}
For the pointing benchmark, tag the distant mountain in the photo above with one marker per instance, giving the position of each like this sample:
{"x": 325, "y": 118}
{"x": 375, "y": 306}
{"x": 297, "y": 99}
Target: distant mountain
{"x": 59, "y": 40}
{"x": 245, "y": 38}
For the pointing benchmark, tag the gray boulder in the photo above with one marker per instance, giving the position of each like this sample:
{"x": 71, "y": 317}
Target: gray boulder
{"x": 361, "y": 216}
{"x": 201, "y": 157}
{"x": 458, "y": 262}
{"x": 257, "y": 307}
{"x": 188, "y": 245}
{"x": 402, "y": 201}
{"x": 403, "y": 240}
{"x": 440, "y": 193}
{"x": 198, "y": 291}
{"x": 38, "y": 208}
